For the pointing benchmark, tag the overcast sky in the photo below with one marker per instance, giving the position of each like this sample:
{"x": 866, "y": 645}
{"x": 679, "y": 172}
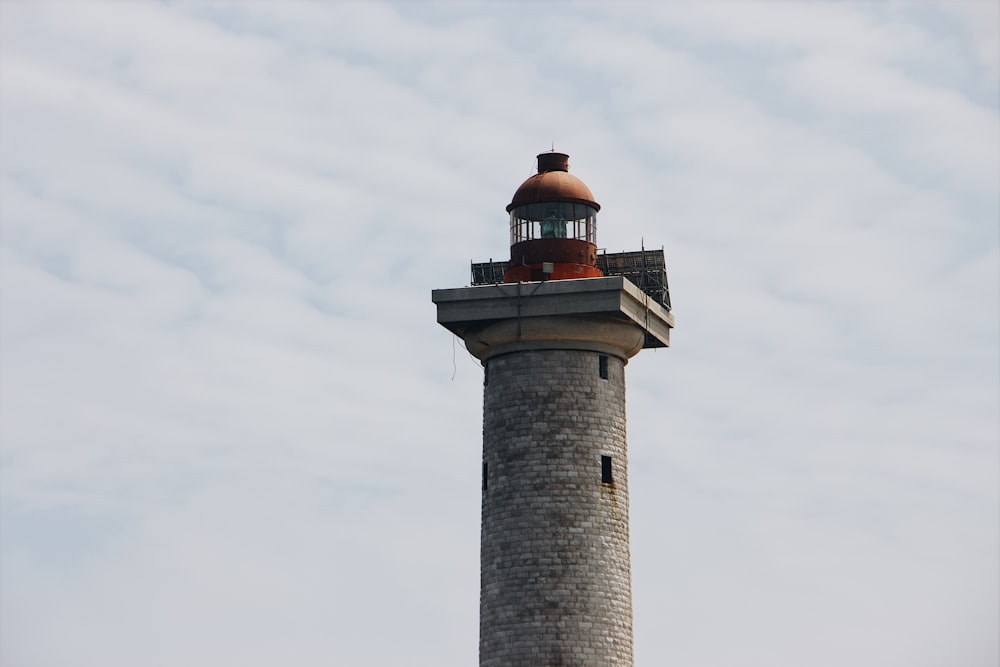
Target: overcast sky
{"x": 233, "y": 434}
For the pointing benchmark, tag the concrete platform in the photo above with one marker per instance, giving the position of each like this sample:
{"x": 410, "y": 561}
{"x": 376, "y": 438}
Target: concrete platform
{"x": 614, "y": 299}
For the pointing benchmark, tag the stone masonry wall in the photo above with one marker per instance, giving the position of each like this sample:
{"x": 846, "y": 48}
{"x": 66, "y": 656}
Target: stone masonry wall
{"x": 555, "y": 565}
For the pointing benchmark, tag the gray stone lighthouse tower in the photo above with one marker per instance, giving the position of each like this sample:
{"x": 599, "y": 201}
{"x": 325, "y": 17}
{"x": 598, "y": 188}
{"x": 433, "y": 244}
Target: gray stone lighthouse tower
{"x": 554, "y": 328}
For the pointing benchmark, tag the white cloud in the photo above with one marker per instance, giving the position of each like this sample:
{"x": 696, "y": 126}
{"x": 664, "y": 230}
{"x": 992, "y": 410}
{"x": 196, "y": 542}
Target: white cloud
{"x": 230, "y": 429}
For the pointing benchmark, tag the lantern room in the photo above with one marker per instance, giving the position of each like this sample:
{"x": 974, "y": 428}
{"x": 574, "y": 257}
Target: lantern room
{"x": 553, "y": 225}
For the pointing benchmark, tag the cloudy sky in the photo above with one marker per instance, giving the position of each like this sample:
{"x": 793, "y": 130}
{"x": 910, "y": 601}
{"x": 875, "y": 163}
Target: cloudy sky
{"x": 233, "y": 434}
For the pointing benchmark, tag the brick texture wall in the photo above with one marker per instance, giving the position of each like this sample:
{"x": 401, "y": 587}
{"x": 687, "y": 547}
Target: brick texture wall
{"x": 555, "y": 565}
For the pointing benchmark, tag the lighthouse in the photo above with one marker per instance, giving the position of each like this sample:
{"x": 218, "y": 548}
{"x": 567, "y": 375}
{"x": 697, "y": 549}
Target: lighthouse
{"x": 554, "y": 328}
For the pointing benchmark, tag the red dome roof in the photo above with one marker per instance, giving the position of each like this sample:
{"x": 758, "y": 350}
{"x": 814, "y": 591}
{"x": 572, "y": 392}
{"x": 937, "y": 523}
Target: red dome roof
{"x": 553, "y": 183}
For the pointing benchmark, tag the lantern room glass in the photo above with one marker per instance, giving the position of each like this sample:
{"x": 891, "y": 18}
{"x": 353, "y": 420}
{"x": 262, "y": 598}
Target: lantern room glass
{"x": 553, "y": 220}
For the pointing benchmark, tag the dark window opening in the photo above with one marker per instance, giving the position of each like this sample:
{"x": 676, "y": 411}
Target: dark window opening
{"x": 486, "y": 474}
{"x": 606, "y": 477}
{"x": 602, "y": 366}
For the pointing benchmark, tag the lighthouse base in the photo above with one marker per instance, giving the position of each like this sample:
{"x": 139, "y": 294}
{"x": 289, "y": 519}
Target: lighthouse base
{"x": 555, "y": 565}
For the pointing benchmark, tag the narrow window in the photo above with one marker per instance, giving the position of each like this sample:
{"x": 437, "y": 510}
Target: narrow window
{"x": 606, "y": 477}
{"x": 486, "y": 474}
{"x": 602, "y": 365}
